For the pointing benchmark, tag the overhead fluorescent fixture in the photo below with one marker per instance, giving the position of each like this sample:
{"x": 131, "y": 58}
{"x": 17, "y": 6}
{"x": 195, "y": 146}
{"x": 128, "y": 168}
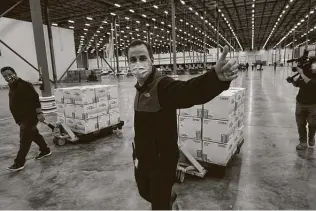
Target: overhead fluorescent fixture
{"x": 55, "y": 24}
{"x": 117, "y": 5}
{"x": 132, "y": 11}
{"x": 71, "y": 21}
{"x": 112, "y": 13}
{"x": 155, "y": 6}
{"x": 89, "y": 18}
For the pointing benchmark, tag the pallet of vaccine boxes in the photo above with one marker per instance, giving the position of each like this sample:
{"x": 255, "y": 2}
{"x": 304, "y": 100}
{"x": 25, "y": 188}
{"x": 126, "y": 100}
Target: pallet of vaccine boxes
{"x": 211, "y": 132}
{"x": 87, "y": 109}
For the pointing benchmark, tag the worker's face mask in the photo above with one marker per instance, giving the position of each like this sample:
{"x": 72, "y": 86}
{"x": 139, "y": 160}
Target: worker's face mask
{"x": 9, "y": 76}
{"x": 140, "y": 63}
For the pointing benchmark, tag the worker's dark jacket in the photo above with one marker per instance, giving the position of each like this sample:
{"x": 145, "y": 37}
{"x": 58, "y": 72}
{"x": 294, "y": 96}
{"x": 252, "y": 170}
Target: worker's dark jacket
{"x": 307, "y": 91}
{"x": 24, "y": 101}
{"x": 155, "y": 121}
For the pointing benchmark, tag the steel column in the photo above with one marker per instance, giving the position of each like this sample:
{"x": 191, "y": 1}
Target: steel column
{"x": 51, "y": 43}
{"x": 36, "y": 13}
{"x": 116, "y": 48}
{"x": 217, "y": 26}
{"x": 11, "y": 8}
{"x": 204, "y": 37}
{"x": 293, "y": 45}
{"x": 174, "y": 46}
{"x": 87, "y": 54}
{"x": 96, "y": 52}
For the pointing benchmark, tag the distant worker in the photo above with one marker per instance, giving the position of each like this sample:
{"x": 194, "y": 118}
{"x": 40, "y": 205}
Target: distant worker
{"x": 26, "y": 110}
{"x": 275, "y": 65}
{"x": 155, "y": 148}
{"x": 247, "y": 66}
{"x": 260, "y": 66}
{"x": 252, "y": 66}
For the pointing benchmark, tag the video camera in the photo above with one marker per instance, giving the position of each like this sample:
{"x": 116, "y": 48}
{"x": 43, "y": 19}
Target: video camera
{"x": 304, "y": 62}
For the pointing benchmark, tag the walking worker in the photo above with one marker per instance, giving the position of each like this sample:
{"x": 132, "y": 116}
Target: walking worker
{"x": 26, "y": 110}
{"x": 155, "y": 148}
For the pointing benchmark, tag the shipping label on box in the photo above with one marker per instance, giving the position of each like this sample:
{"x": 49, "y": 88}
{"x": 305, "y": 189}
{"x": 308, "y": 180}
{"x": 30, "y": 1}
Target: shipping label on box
{"x": 114, "y": 110}
{"x": 60, "y": 108}
{"x": 217, "y": 130}
{"x": 114, "y": 118}
{"x": 114, "y": 103}
{"x": 193, "y": 146}
{"x": 70, "y": 110}
{"x": 216, "y": 153}
{"x": 59, "y": 96}
{"x": 194, "y": 111}
{"x": 60, "y": 118}
{"x": 104, "y": 121}
{"x": 87, "y": 126}
{"x": 221, "y": 106}
{"x": 83, "y": 95}
{"x": 103, "y": 108}
{"x": 86, "y": 111}
{"x": 71, "y": 123}
{"x": 113, "y": 92}
{"x": 190, "y": 127}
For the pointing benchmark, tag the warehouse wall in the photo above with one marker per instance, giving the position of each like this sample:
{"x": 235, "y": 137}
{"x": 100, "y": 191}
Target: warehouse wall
{"x": 19, "y": 36}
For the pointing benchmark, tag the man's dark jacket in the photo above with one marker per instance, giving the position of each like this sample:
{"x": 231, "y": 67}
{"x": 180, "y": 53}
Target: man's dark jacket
{"x": 155, "y": 121}
{"x": 307, "y": 93}
{"x": 24, "y": 101}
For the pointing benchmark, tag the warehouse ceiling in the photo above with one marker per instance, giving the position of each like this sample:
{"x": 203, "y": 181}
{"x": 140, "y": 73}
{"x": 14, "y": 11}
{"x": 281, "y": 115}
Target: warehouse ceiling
{"x": 243, "y": 24}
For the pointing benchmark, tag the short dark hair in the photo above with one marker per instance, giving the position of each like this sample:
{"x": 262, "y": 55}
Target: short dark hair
{"x": 140, "y": 42}
{"x": 7, "y": 68}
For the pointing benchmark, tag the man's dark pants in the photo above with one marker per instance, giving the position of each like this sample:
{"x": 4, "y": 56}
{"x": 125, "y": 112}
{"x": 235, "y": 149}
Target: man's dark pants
{"x": 29, "y": 133}
{"x": 155, "y": 186}
{"x": 305, "y": 113}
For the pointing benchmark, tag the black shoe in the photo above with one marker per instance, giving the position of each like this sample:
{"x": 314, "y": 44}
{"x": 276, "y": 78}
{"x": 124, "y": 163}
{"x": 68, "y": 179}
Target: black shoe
{"x": 311, "y": 142}
{"x": 43, "y": 154}
{"x": 15, "y": 167}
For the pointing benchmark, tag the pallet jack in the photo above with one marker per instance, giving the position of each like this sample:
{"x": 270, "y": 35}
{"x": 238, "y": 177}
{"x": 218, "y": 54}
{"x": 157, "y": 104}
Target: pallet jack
{"x": 62, "y": 134}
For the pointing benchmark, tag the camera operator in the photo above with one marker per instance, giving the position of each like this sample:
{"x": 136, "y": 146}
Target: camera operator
{"x": 306, "y": 106}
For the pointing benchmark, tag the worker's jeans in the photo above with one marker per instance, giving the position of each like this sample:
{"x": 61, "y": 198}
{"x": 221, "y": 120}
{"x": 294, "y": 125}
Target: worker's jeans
{"x": 155, "y": 186}
{"x": 303, "y": 114}
{"x": 29, "y": 133}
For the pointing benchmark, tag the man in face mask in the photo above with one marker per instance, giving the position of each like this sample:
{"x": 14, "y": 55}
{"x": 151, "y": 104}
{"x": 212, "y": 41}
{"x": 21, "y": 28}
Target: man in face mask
{"x": 306, "y": 106}
{"x": 26, "y": 110}
{"x": 155, "y": 148}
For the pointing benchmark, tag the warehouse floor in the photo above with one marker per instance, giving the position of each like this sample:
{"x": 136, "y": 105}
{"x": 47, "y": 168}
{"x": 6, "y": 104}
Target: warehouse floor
{"x": 268, "y": 173}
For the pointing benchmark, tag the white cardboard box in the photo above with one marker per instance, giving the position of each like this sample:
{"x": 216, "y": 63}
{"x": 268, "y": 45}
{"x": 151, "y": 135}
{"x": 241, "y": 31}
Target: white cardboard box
{"x": 218, "y": 130}
{"x": 241, "y": 95}
{"x": 104, "y": 121}
{"x": 190, "y": 127}
{"x": 240, "y": 134}
{"x": 114, "y": 103}
{"x": 240, "y": 113}
{"x": 83, "y": 95}
{"x": 67, "y": 95}
{"x": 61, "y": 118}
{"x": 193, "y": 146}
{"x": 103, "y": 108}
{"x": 217, "y": 153}
{"x": 221, "y": 106}
{"x": 59, "y": 96}
{"x": 86, "y": 126}
{"x": 114, "y": 118}
{"x": 60, "y": 108}
{"x": 194, "y": 111}
{"x": 113, "y": 92}
{"x": 86, "y": 111}
{"x": 101, "y": 91}
{"x": 70, "y": 110}
{"x": 71, "y": 123}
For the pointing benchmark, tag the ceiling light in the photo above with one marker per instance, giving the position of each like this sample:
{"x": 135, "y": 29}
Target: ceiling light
{"x": 85, "y": 29}
{"x": 71, "y": 27}
{"x": 144, "y": 15}
{"x": 162, "y": 22}
{"x": 132, "y": 11}
{"x": 153, "y": 19}
{"x": 104, "y": 21}
{"x": 87, "y": 24}
{"x": 55, "y": 24}
{"x": 182, "y": 2}
{"x": 147, "y": 24}
{"x": 155, "y": 6}
{"x": 166, "y": 12}
{"x": 117, "y": 5}
{"x": 112, "y": 13}
{"x": 127, "y": 18}
{"x": 71, "y": 21}
{"x": 101, "y": 27}
{"x": 190, "y": 8}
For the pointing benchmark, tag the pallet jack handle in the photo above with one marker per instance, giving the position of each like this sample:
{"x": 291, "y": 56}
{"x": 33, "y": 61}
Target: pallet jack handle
{"x": 49, "y": 125}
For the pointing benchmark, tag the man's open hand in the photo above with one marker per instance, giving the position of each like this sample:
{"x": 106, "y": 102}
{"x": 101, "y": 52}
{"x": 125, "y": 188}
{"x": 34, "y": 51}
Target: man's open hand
{"x": 226, "y": 71}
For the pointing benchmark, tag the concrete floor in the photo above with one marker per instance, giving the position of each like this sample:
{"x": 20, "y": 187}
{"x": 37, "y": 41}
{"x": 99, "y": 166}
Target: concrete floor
{"x": 267, "y": 174}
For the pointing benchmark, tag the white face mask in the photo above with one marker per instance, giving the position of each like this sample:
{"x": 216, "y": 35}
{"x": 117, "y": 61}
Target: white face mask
{"x": 141, "y": 70}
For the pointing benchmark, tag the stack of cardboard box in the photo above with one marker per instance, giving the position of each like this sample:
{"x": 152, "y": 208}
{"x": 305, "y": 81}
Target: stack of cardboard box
{"x": 212, "y": 132}
{"x": 86, "y": 109}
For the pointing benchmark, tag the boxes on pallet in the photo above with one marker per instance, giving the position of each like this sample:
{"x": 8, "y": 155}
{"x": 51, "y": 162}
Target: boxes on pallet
{"x": 240, "y": 96}
{"x": 83, "y": 95}
{"x": 67, "y": 95}
{"x": 112, "y": 92}
{"x": 70, "y": 110}
{"x": 86, "y": 111}
{"x": 218, "y": 130}
{"x": 86, "y": 126}
{"x": 114, "y": 103}
{"x": 221, "y": 107}
{"x": 240, "y": 113}
{"x": 104, "y": 121}
{"x": 194, "y": 111}
{"x": 71, "y": 123}
{"x": 60, "y": 108}
{"x": 218, "y": 153}
{"x": 61, "y": 118}
{"x": 101, "y": 93}
{"x": 190, "y": 127}
{"x": 240, "y": 134}
{"x": 103, "y": 108}
{"x": 193, "y": 146}
{"x": 114, "y": 116}
{"x": 59, "y": 96}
